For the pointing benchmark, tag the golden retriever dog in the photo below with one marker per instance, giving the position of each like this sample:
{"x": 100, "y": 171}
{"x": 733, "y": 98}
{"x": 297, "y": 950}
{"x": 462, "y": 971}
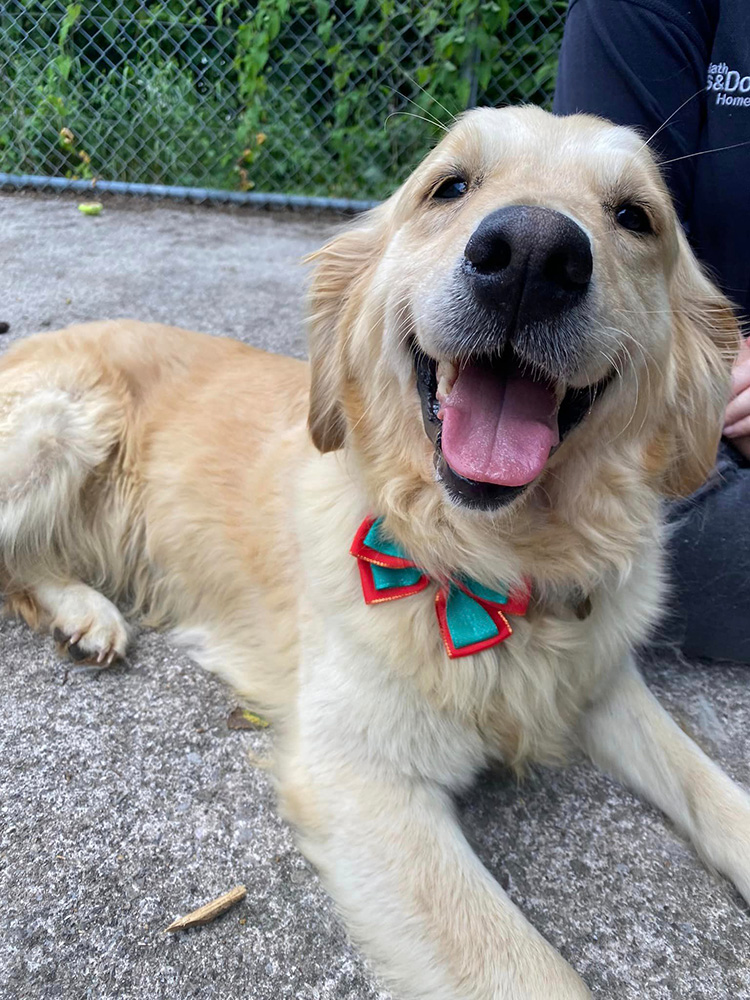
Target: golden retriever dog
{"x": 433, "y": 548}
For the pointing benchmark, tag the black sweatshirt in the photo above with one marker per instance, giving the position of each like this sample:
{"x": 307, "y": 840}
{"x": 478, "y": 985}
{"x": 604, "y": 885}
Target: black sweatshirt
{"x": 636, "y": 62}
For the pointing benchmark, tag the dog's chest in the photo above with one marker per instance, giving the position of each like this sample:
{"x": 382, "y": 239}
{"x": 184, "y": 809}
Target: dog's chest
{"x": 517, "y": 700}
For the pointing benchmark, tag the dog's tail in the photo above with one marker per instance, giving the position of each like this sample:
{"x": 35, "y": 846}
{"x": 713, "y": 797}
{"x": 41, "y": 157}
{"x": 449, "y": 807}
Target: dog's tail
{"x": 60, "y": 423}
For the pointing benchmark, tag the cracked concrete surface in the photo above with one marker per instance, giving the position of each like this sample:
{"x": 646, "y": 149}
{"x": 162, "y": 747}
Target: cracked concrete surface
{"x": 126, "y": 800}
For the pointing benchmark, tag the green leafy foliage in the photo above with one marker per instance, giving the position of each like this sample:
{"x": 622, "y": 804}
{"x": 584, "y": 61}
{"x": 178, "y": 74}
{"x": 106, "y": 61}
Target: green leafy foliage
{"x": 305, "y": 96}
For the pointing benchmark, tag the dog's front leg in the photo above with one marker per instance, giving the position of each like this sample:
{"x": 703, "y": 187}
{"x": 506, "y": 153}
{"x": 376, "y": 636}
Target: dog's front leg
{"x": 630, "y": 735}
{"x": 418, "y": 900}
{"x": 362, "y": 785}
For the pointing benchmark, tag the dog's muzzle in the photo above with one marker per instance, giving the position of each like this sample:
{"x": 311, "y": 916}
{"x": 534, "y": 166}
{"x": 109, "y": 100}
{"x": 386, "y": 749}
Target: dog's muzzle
{"x": 499, "y": 400}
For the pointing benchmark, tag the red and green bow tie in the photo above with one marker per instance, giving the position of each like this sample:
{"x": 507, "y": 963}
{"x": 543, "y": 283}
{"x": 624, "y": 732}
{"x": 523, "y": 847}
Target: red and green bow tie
{"x": 471, "y": 616}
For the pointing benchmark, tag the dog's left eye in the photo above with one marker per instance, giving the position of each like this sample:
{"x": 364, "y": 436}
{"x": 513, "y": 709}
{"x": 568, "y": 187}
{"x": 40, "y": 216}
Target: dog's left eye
{"x": 450, "y": 189}
{"x": 633, "y": 218}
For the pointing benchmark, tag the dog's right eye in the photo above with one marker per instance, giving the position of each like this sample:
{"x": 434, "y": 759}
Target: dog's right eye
{"x": 450, "y": 189}
{"x": 633, "y": 218}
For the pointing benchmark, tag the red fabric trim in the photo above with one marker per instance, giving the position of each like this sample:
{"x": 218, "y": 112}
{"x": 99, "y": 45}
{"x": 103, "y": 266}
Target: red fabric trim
{"x": 374, "y": 596}
{"x": 518, "y": 600}
{"x": 362, "y": 551}
{"x": 503, "y": 629}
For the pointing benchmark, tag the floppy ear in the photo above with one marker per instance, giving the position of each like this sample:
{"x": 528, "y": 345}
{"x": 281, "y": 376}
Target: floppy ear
{"x": 706, "y": 337}
{"x": 341, "y": 269}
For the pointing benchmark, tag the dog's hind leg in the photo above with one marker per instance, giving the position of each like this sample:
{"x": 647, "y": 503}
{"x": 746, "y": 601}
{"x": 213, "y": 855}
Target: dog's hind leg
{"x": 630, "y": 735}
{"x": 86, "y": 626}
{"x": 59, "y": 427}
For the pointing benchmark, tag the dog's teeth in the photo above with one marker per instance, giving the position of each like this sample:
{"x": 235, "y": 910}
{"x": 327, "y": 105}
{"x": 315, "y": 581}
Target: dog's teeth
{"x": 448, "y": 369}
{"x": 447, "y": 374}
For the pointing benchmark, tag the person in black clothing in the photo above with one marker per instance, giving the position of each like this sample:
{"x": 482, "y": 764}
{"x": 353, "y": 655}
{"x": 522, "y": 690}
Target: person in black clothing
{"x": 679, "y": 71}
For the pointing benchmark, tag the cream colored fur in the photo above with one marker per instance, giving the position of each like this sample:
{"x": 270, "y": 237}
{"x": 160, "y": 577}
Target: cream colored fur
{"x": 174, "y": 473}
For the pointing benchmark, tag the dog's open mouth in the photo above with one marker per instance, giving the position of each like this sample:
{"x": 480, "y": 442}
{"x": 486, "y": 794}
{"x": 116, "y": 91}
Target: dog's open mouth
{"x": 495, "y": 423}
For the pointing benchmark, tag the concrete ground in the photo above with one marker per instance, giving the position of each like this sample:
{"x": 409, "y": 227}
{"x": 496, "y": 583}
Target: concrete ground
{"x": 125, "y": 798}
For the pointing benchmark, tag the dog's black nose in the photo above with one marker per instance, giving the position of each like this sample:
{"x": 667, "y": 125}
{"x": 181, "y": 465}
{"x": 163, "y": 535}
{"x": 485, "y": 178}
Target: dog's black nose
{"x": 529, "y": 262}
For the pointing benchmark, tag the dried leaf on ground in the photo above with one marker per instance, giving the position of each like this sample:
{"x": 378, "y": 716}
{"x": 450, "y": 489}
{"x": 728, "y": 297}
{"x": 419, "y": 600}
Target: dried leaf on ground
{"x": 243, "y": 718}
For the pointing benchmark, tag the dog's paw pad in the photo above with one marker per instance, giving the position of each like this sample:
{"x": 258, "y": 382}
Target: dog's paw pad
{"x": 98, "y": 651}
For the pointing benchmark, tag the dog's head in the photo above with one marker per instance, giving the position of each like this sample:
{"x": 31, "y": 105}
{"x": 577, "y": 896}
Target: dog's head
{"x": 527, "y": 292}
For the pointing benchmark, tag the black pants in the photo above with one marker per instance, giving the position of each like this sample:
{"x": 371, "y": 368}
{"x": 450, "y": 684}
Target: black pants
{"x": 709, "y": 564}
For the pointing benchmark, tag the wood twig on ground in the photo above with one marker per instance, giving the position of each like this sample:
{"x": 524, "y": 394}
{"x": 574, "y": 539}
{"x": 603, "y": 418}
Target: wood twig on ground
{"x": 210, "y": 911}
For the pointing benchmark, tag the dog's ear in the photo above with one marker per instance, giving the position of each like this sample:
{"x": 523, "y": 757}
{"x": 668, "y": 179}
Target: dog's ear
{"x": 706, "y": 337}
{"x": 342, "y": 268}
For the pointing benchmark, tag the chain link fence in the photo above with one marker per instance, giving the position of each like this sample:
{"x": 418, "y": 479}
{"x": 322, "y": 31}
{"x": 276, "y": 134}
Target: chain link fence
{"x": 301, "y": 100}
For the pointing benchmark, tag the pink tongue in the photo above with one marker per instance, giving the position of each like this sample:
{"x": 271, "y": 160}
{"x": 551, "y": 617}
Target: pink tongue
{"x": 498, "y": 429}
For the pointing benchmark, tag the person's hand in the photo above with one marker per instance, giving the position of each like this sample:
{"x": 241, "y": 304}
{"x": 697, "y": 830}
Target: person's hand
{"x": 737, "y": 416}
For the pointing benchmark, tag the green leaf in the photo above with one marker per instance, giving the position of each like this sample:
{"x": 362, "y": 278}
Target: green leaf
{"x": 72, "y": 14}
{"x": 63, "y": 64}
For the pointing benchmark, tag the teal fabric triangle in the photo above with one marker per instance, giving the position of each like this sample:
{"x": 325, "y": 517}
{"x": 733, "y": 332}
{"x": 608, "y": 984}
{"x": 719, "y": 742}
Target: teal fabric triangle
{"x": 384, "y": 577}
{"x": 485, "y": 593}
{"x": 467, "y": 621}
{"x": 375, "y": 540}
